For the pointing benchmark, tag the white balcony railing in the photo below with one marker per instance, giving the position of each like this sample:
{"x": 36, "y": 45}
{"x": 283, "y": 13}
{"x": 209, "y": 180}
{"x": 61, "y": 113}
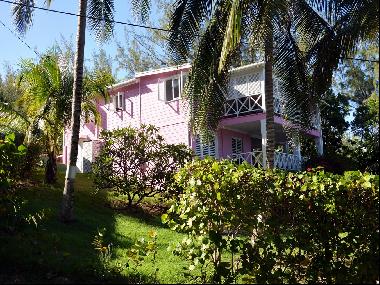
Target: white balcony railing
{"x": 255, "y": 158}
{"x": 287, "y": 161}
{"x": 281, "y": 160}
{"x": 245, "y": 96}
{"x": 243, "y": 105}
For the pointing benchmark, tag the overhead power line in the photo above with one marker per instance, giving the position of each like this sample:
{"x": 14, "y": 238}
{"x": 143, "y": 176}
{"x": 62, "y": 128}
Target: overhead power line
{"x": 117, "y": 22}
{"x": 88, "y": 17}
{"x": 20, "y": 39}
{"x": 361, "y": 59}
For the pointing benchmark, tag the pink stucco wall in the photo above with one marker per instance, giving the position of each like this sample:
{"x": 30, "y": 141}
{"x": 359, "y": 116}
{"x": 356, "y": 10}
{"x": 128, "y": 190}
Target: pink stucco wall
{"x": 225, "y": 142}
{"x": 142, "y": 106}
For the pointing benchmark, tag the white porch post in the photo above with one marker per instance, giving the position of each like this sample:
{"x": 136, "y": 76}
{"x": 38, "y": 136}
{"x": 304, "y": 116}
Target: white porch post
{"x": 319, "y": 145}
{"x": 263, "y": 126}
{"x": 319, "y": 140}
{"x": 297, "y": 151}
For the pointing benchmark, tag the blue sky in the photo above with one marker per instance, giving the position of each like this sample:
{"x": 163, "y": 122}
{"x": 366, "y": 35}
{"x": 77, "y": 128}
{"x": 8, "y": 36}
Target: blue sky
{"x": 48, "y": 27}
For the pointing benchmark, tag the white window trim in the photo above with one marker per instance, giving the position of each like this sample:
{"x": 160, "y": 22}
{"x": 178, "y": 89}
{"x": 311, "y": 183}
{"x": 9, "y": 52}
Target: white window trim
{"x": 242, "y": 146}
{"x": 117, "y": 104}
{"x": 202, "y": 146}
{"x": 180, "y": 85}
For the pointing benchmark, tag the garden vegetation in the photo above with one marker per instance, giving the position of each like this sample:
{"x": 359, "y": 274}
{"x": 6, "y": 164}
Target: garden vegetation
{"x": 270, "y": 226}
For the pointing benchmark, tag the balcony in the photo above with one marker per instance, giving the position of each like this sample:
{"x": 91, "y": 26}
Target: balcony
{"x": 243, "y": 106}
{"x": 255, "y": 158}
{"x": 246, "y": 95}
{"x": 282, "y": 160}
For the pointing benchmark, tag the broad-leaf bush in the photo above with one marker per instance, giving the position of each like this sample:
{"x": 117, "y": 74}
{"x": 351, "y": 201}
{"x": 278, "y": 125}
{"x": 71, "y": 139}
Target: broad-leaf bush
{"x": 275, "y": 226}
{"x": 138, "y": 163}
{"x": 13, "y": 159}
{"x": 10, "y": 159}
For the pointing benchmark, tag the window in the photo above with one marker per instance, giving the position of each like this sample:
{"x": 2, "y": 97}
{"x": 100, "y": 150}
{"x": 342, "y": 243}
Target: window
{"x": 237, "y": 145}
{"x": 171, "y": 88}
{"x": 205, "y": 149}
{"x": 118, "y": 102}
{"x": 237, "y": 149}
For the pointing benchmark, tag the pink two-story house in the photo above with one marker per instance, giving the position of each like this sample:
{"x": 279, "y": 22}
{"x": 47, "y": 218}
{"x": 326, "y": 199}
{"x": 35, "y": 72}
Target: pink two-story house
{"x": 154, "y": 97}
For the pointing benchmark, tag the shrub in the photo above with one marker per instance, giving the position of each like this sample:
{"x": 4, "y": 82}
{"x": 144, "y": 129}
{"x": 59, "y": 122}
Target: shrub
{"x": 13, "y": 160}
{"x": 334, "y": 163}
{"x": 31, "y": 160}
{"x": 274, "y": 226}
{"x": 138, "y": 163}
{"x": 10, "y": 157}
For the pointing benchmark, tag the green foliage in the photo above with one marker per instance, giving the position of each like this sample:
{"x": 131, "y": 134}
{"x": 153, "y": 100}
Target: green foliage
{"x": 105, "y": 254}
{"x": 138, "y": 163}
{"x": 275, "y": 226}
{"x": 141, "y": 250}
{"x": 359, "y": 82}
{"x": 10, "y": 157}
{"x": 13, "y": 161}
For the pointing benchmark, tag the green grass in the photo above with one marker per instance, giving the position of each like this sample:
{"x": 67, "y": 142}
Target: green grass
{"x": 54, "y": 250}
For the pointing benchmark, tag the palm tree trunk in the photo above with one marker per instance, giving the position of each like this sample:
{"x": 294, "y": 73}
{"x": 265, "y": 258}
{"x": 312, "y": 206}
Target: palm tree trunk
{"x": 269, "y": 100}
{"x": 67, "y": 209}
{"x": 51, "y": 168}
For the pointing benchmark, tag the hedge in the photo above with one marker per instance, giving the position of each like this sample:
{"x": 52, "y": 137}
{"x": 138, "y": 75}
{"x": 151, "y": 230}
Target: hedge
{"x": 269, "y": 226}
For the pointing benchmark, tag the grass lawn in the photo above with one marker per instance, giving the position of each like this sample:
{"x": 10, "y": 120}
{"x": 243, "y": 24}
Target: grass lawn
{"x": 63, "y": 253}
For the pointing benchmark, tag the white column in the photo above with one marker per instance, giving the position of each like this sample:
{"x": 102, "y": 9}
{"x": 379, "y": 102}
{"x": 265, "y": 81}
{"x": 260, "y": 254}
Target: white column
{"x": 263, "y": 125}
{"x": 262, "y": 86}
{"x": 297, "y": 151}
{"x": 319, "y": 145}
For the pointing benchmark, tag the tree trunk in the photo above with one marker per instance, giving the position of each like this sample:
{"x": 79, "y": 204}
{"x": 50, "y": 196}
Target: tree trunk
{"x": 269, "y": 100}
{"x": 51, "y": 168}
{"x": 67, "y": 209}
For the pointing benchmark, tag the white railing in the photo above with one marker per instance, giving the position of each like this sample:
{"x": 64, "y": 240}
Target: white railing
{"x": 316, "y": 120}
{"x": 287, "y": 161}
{"x": 277, "y": 105}
{"x": 282, "y": 160}
{"x": 243, "y": 105}
{"x": 255, "y": 158}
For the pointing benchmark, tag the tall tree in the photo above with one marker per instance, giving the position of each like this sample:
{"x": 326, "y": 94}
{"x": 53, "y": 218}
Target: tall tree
{"x": 146, "y": 49}
{"x": 100, "y": 14}
{"x": 286, "y": 31}
{"x": 303, "y": 43}
{"x": 359, "y": 82}
{"x": 42, "y": 109}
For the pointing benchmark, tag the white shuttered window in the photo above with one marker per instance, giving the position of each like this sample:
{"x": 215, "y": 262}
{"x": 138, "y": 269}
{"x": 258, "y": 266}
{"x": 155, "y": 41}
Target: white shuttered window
{"x": 203, "y": 149}
{"x": 237, "y": 145}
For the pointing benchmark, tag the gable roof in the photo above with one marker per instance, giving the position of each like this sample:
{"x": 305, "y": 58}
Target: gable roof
{"x": 174, "y": 68}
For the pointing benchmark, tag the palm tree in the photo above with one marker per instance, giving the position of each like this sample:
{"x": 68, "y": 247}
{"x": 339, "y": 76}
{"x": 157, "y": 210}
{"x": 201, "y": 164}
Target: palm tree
{"x": 42, "y": 109}
{"x": 350, "y": 23}
{"x": 303, "y": 41}
{"x": 100, "y": 14}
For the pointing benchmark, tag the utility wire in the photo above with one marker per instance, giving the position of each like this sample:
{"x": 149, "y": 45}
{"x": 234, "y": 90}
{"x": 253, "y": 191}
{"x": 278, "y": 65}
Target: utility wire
{"x": 130, "y": 24}
{"x": 360, "y": 59}
{"x": 88, "y": 17}
{"x": 13, "y": 33}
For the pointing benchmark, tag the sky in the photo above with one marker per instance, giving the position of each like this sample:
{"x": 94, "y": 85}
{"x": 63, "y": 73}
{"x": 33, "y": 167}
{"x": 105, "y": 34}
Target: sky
{"x": 49, "y": 28}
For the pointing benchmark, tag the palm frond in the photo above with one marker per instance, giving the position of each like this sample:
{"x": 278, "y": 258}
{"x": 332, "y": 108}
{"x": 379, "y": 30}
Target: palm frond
{"x": 358, "y": 23}
{"x": 207, "y": 88}
{"x": 141, "y": 10}
{"x": 22, "y": 13}
{"x": 12, "y": 118}
{"x": 233, "y": 32}
{"x": 185, "y": 26}
{"x": 290, "y": 67}
{"x": 90, "y": 112}
{"x": 101, "y": 16}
